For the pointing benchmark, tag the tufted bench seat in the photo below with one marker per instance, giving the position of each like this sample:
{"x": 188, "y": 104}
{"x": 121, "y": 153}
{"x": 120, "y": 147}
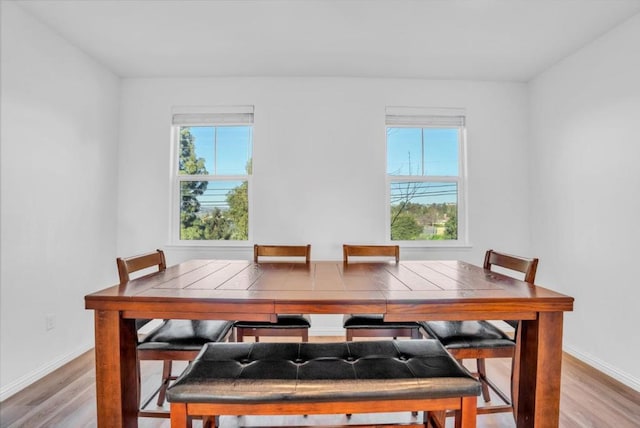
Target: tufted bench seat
{"x": 323, "y": 378}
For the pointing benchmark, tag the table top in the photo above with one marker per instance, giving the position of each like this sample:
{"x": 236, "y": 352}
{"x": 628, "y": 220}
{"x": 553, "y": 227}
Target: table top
{"x": 409, "y": 290}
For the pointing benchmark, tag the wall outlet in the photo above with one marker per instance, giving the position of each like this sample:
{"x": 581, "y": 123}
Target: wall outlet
{"x": 50, "y": 322}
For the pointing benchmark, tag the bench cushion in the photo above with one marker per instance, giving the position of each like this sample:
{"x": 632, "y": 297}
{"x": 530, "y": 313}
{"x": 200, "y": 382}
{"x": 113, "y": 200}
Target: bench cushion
{"x": 185, "y": 335}
{"x": 374, "y": 321}
{"x": 350, "y": 371}
{"x": 467, "y": 334}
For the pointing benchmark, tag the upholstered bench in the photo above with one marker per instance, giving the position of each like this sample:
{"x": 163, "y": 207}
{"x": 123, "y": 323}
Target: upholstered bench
{"x": 323, "y": 378}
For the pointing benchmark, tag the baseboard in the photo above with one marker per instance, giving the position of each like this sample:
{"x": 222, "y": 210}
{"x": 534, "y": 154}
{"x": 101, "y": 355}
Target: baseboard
{"x": 605, "y": 368}
{"x": 23, "y": 382}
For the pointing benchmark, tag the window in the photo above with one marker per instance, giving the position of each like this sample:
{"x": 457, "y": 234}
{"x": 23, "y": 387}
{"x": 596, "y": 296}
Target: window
{"x": 212, "y": 179}
{"x": 425, "y": 175}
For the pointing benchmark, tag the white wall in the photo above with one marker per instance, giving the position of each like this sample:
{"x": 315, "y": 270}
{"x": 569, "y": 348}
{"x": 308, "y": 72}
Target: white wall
{"x": 552, "y": 173}
{"x": 59, "y": 143}
{"x": 585, "y": 113}
{"x": 319, "y": 161}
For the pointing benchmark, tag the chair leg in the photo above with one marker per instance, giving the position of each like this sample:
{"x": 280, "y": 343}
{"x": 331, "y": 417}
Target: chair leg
{"x": 166, "y": 377}
{"x": 139, "y": 376}
{"x": 305, "y": 335}
{"x": 437, "y": 419}
{"x": 482, "y": 373}
{"x": 210, "y": 422}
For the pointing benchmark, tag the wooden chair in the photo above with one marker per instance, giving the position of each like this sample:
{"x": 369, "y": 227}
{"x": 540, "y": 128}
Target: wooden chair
{"x": 482, "y": 339}
{"x": 173, "y": 339}
{"x": 287, "y": 325}
{"x": 373, "y": 325}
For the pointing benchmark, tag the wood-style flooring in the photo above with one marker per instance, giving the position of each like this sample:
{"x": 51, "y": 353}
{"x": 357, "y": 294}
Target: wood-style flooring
{"x": 66, "y": 399}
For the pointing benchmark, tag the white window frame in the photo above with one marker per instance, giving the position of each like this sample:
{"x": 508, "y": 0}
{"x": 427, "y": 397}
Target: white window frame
{"x": 207, "y": 116}
{"x": 424, "y": 117}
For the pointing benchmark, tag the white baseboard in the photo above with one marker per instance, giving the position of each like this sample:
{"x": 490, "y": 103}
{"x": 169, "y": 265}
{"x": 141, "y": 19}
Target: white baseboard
{"x": 605, "y": 368}
{"x": 18, "y": 385}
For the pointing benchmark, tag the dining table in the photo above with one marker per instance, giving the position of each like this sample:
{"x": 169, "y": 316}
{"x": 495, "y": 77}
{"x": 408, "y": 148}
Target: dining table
{"x": 412, "y": 290}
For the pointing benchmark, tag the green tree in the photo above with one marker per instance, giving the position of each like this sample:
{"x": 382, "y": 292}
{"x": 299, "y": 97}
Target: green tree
{"x": 405, "y": 228}
{"x": 190, "y": 190}
{"x": 451, "y": 226}
{"x": 238, "y": 200}
{"x": 216, "y": 225}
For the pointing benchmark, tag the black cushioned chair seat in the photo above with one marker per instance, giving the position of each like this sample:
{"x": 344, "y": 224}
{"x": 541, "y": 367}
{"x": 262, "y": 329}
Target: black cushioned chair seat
{"x": 273, "y": 372}
{"x": 467, "y": 334}
{"x": 185, "y": 334}
{"x": 374, "y": 321}
{"x": 284, "y": 321}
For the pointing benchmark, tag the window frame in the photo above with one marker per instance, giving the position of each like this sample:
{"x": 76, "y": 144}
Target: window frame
{"x": 430, "y": 121}
{"x": 205, "y": 118}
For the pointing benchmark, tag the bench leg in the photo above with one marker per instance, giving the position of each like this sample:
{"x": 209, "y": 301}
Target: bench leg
{"x": 179, "y": 418}
{"x": 466, "y": 416}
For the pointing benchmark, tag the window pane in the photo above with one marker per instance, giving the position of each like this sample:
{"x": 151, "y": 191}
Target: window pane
{"x": 196, "y": 150}
{"x": 422, "y": 151}
{"x": 404, "y": 151}
{"x": 215, "y": 150}
{"x": 233, "y": 150}
{"x": 441, "y": 151}
{"x": 214, "y": 210}
{"x": 424, "y": 211}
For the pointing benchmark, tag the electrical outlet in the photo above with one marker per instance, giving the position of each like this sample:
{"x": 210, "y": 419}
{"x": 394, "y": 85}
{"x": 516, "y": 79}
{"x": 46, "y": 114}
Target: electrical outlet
{"x": 50, "y": 322}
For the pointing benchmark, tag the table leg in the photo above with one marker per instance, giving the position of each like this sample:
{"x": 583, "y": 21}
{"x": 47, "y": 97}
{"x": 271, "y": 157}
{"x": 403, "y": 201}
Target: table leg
{"x": 116, "y": 371}
{"x": 538, "y": 398}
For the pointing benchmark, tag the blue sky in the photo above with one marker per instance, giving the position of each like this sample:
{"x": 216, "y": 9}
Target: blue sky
{"x": 410, "y": 152}
{"x": 422, "y": 152}
{"x": 233, "y": 148}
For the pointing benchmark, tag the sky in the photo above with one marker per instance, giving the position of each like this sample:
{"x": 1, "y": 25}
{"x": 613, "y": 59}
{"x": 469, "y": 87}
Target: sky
{"x": 423, "y": 152}
{"x": 410, "y": 152}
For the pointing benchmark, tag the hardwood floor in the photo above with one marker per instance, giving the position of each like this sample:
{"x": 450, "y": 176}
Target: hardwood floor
{"x": 66, "y": 399}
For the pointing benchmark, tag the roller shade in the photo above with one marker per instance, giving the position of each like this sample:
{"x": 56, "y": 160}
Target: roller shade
{"x": 230, "y": 115}
{"x": 418, "y": 116}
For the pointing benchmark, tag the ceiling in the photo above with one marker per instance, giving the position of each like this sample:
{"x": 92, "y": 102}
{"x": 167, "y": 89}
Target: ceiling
{"x": 503, "y": 40}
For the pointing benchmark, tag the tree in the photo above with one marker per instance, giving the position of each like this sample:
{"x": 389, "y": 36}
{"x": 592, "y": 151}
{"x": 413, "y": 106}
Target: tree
{"x": 189, "y": 164}
{"x": 216, "y": 225}
{"x": 451, "y": 226}
{"x": 405, "y": 228}
{"x": 238, "y": 200}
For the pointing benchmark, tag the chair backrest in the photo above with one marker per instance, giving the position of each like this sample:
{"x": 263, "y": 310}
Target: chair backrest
{"x": 515, "y": 263}
{"x": 129, "y": 265}
{"x": 282, "y": 251}
{"x": 370, "y": 251}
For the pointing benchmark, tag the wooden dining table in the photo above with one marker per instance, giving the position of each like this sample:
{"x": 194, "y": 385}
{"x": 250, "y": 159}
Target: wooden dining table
{"x": 405, "y": 291}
